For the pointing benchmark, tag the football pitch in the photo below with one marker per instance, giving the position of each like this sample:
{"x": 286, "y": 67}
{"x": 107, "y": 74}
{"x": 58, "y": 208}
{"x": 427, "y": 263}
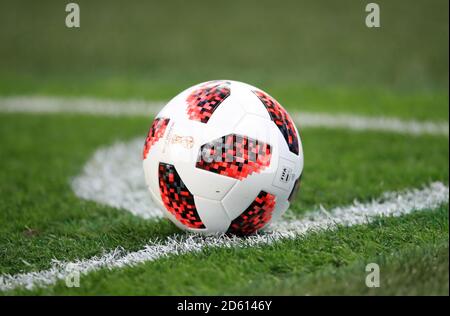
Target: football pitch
{"x": 371, "y": 106}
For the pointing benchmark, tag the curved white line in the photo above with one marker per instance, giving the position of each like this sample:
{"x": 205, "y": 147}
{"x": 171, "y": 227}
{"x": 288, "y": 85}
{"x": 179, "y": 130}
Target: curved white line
{"x": 114, "y": 177}
{"x": 390, "y": 204}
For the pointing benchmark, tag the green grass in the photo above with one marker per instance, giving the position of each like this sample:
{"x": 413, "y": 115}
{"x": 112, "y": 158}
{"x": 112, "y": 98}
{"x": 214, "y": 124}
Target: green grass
{"x": 414, "y": 270}
{"x": 44, "y": 220}
{"x": 282, "y": 268}
{"x": 313, "y": 56}
{"x": 41, "y": 218}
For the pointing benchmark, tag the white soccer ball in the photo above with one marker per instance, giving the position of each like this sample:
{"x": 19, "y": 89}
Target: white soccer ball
{"x": 223, "y": 157}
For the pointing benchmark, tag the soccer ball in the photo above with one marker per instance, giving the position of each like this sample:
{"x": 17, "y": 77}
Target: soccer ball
{"x": 223, "y": 157}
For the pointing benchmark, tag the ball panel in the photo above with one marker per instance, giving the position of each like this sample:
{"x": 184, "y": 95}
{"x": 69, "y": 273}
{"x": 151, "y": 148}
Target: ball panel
{"x": 282, "y": 119}
{"x": 203, "y": 101}
{"x": 244, "y": 192}
{"x": 213, "y": 215}
{"x": 203, "y": 183}
{"x": 225, "y": 118}
{"x": 155, "y": 132}
{"x": 177, "y": 198}
{"x": 259, "y": 128}
{"x": 151, "y": 164}
{"x": 280, "y": 208}
{"x": 180, "y": 147}
{"x": 176, "y": 108}
{"x": 255, "y": 217}
{"x": 243, "y": 95}
{"x": 234, "y": 156}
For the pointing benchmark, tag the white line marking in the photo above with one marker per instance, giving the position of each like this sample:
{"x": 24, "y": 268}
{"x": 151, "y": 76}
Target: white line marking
{"x": 361, "y": 123}
{"x": 390, "y": 204}
{"x": 143, "y": 108}
{"x": 90, "y": 106}
{"x": 114, "y": 177}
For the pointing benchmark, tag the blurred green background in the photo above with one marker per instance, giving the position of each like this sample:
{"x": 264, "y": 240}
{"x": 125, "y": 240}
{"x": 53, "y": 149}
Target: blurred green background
{"x": 315, "y": 55}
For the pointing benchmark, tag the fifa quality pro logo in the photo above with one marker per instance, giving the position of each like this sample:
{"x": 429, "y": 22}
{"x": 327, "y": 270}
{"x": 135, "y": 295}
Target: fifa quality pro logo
{"x": 286, "y": 174}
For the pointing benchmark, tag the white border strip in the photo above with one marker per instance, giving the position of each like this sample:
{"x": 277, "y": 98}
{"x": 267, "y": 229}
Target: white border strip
{"x": 390, "y": 204}
{"x": 93, "y": 106}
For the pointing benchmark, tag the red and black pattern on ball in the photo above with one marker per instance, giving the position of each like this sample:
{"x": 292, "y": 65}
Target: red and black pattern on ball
{"x": 204, "y": 101}
{"x": 176, "y": 197}
{"x": 234, "y": 156}
{"x": 155, "y": 132}
{"x": 255, "y": 217}
{"x": 281, "y": 118}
